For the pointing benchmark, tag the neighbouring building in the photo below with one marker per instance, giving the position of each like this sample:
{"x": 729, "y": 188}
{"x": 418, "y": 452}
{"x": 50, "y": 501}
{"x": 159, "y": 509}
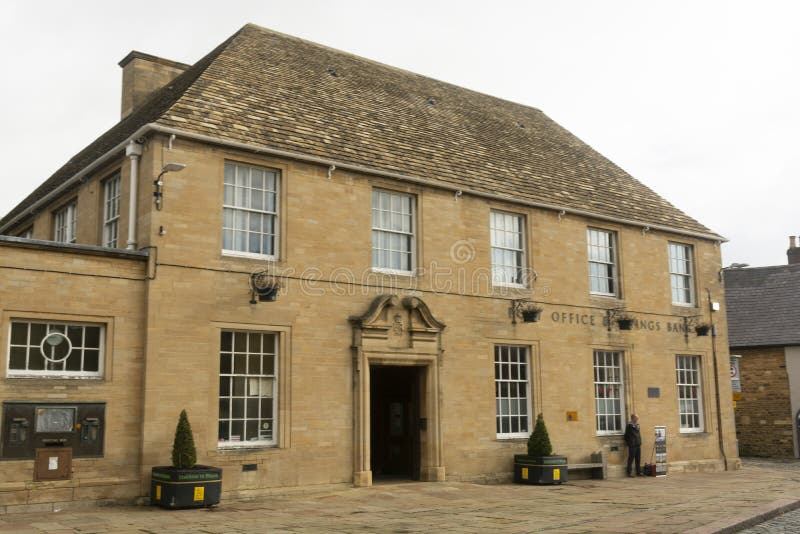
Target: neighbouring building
{"x": 764, "y": 328}
{"x": 334, "y": 266}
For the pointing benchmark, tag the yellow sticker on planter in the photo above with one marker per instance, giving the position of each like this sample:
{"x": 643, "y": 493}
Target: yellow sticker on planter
{"x": 556, "y": 474}
{"x": 524, "y": 473}
{"x": 158, "y": 492}
{"x": 199, "y": 493}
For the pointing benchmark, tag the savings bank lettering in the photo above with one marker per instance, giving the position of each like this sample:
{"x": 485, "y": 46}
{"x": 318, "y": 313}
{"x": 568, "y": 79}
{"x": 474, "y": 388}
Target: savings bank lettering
{"x": 591, "y": 319}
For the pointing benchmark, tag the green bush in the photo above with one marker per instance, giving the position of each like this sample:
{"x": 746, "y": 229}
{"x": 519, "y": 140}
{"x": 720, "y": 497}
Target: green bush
{"x": 539, "y": 441}
{"x": 184, "y": 455}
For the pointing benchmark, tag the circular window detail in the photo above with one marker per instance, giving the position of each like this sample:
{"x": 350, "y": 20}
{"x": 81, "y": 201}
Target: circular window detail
{"x": 55, "y": 347}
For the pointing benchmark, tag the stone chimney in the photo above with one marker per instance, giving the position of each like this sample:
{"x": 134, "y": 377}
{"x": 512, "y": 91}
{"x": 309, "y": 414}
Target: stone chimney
{"x": 142, "y": 75}
{"x": 794, "y": 251}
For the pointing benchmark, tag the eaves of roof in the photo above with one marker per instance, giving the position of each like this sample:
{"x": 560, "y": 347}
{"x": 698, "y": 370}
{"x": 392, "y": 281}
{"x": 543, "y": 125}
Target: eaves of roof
{"x": 268, "y": 92}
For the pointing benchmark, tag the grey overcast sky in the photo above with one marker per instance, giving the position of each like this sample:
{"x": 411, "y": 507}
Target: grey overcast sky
{"x": 697, "y": 99}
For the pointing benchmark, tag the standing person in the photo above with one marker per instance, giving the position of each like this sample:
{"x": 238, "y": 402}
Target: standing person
{"x": 633, "y": 439}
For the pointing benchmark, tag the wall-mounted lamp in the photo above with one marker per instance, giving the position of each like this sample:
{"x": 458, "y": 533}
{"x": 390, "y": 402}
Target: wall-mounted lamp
{"x": 263, "y": 287}
{"x": 159, "y": 181}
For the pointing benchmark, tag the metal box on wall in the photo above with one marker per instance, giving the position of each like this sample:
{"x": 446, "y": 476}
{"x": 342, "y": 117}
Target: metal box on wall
{"x": 28, "y": 426}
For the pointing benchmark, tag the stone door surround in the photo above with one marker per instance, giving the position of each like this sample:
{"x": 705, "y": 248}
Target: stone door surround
{"x": 398, "y": 331}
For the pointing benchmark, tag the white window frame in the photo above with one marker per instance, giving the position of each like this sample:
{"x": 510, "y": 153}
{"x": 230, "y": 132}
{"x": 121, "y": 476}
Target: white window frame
{"x": 55, "y": 326}
{"x": 27, "y": 234}
{"x": 229, "y": 202}
{"x": 111, "y": 202}
{"x": 593, "y": 243}
{"x": 65, "y": 223}
{"x": 387, "y": 232}
{"x": 232, "y": 375}
{"x": 609, "y": 375}
{"x": 689, "y": 379}
{"x": 681, "y": 268}
{"x": 504, "y": 373}
{"x": 501, "y": 227}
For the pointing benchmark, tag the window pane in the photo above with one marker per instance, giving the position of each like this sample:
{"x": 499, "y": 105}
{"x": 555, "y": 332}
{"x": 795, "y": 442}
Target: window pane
{"x": 17, "y": 358}
{"x": 251, "y": 205}
{"x": 224, "y": 386}
{"x": 251, "y": 395}
{"x": 608, "y": 388}
{"x": 224, "y": 430}
{"x": 507, "y": 250}
{"x": 602, "y": 261}
{"x": 91, "y": 360}
{"x": 73, "y": 362}
{"x": 689, "y": 393}
{"x": 511, "y": 390}
{"x": 225, "y": 364}
{"x": 392, "y": 230}
{"x": 79, "y": 355}
{"x": 19, "y": 333}
{"x": 681, "y": 273}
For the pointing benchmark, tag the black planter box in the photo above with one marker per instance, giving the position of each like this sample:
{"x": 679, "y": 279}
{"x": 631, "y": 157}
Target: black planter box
{"x": 540, "y": 469}
{"x": 531, "y": 316}
{"x": 625, "y": 324}
{"x": 196, "y": 487}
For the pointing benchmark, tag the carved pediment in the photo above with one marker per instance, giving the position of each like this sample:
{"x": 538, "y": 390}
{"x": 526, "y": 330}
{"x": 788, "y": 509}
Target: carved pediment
{"x": 398, "y": 323}
{"x": 377, "y": 313}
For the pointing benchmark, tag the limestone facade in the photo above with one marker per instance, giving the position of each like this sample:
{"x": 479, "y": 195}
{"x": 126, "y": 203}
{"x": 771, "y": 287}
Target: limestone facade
{"x": 336, "y": 318}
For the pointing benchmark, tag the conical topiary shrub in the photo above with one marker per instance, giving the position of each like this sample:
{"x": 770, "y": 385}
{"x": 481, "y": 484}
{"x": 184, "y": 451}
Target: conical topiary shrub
{"x": 540, "y": 465}
{"x": 184, "y": 454}
{"x": 185, "y": 484}
{"x": 539, "y": 441}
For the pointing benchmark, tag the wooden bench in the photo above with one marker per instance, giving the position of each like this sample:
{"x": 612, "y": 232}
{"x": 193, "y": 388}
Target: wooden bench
{"x": 597, "y": 465}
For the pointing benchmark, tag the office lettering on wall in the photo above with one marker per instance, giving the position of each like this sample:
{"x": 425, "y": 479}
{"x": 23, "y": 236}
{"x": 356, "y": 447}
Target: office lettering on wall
{"x": 589, "y": 319}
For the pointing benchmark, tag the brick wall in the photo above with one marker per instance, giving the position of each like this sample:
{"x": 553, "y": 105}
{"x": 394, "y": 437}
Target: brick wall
{"x": 764, "y": 413}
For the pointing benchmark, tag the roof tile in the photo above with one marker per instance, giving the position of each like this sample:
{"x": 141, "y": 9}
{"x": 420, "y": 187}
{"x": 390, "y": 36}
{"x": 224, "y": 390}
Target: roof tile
{"x": 265, "y": 88}
{"x": 763, "y": 306}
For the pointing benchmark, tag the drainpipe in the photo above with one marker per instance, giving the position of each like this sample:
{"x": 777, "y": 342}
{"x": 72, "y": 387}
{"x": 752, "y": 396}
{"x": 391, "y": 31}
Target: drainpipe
{"x": 133, "y": 151}
{"x": 716, "y": 380}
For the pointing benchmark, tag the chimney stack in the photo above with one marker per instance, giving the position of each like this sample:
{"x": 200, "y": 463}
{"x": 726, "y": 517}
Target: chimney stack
{"x": 142, "y": 75}
{"x": 794, "y": 251}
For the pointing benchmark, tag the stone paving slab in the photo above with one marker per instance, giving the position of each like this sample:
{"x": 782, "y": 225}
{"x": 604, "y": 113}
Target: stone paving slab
{"x": 681, "y": 502}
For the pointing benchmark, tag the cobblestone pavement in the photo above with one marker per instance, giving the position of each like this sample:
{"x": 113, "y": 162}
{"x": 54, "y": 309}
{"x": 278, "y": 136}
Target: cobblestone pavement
{"x": 680, "y": 502}
{"x": 788, "y": 522}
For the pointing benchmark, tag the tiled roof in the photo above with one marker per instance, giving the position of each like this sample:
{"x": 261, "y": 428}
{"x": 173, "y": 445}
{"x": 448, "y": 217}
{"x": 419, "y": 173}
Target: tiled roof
{"x": 265, "y": 88}
{"x": 148, "y": 112}
{"x": 763, "y": 306}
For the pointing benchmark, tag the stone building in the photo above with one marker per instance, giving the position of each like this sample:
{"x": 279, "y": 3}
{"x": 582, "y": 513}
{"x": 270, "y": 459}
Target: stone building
{"x": 764, "y": 325}
{"x": 332, "y": 265}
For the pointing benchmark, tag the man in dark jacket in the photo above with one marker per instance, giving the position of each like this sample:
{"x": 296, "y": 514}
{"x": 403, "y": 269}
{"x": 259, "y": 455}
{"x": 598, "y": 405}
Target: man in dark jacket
{"x": 633, "y": 439}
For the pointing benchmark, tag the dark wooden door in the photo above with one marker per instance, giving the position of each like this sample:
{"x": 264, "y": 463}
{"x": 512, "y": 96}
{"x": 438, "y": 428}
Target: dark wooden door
{"x": 395, "y": 421}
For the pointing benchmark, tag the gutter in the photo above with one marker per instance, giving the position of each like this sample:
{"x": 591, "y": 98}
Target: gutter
{"x": 351, "y": 167}
{"x": 412, "y": 179}
{"x": 90, "y": 250}
{"x": 33, "y": 208}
